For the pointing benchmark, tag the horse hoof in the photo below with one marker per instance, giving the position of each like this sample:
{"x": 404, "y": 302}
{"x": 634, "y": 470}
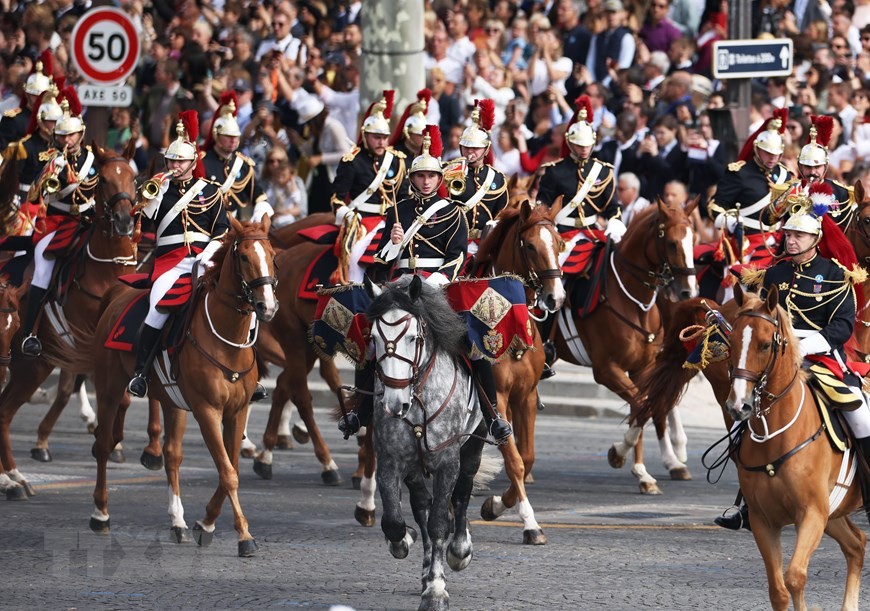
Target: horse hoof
{"x": 534, "y": 537}
{"x": 284, "y": 442}
{"x": 117, "y": 456}
{"x": 366, "y": 517}
{"x": 614, "y": 459}
{"x": 458, "y": 563}
{"x": 247, "y": 548}
{"x": 487, "y": 510}
{"x": 178, "y": 534}
{"x": 151, "y": 462}
{"x": 40, "y": 454}
{"x": 202, "y": 537}
{"x": 300, "y": 435}
{"x": 28, "y": 489}
{"x": 92, "y": 428}
{"x": 99, "y": 526}
{"x": 681, "y": 474}
{"x": 248, "y": 452}
{"x": 331, "y": 477}
{"x": 356, "y": 482}
{"x": 262, "y": 469}
{"x": 529, "y": 479}
{"x": 16, "y": 493}
{"x": 650, "y": 489}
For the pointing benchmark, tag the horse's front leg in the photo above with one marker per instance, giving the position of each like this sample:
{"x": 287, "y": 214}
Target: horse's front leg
{"x": 809, "y": 533}
{"x": 365, "y": 507}
{"x": 460, "y": 551}
{"x": 435, "y": 595}
{"x": 421, "y": 504}
{"x": 852, "y": 541}
{"x": 389, "y": 479}
{"x": 152, "y": 455}
{"x": 176, "y": 420}
{"x": 769, "y": 543}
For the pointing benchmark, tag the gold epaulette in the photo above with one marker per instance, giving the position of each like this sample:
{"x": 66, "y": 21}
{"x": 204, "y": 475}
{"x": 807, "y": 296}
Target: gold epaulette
{"x": 46, "y": 155}
{"x": 736, "y": 165}
{"x": 856, "y": 275}
{"x": 351, "y": 154}
{"x": 752, "y": 276}
{"x": 13, "y": 112}
{"x": 397, "y": 153}
{"x": 246, "y": 159}
{"x": 550, "y": 163}
{"x": 604, "y": 163}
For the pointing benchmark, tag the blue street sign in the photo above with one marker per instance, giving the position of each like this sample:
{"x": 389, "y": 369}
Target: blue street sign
{"x": 751, "y": 58}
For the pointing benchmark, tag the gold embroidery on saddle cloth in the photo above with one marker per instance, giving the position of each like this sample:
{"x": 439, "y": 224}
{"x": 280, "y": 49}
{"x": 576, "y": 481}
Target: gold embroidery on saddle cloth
{"x": 712, "y": 349}
{"x": 490, "y": 308}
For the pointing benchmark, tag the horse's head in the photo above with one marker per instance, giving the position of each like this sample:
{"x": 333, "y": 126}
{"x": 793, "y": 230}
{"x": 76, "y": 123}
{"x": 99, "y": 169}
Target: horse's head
{"x": 861, "y": 225}
{"x": 664, "y": 233}
{"x": 249, "y": 262}
{"x": 519, "y": 190}
{"x": 539, "y": 245}
{"x": 114, "y": 198}
{"x": 9, "y": 323}
{"x": 761, "y": 347}
{"x": 411, "y": 322}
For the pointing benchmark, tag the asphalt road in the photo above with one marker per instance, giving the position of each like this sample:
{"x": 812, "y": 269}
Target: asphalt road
{"x": 609, "y": 547}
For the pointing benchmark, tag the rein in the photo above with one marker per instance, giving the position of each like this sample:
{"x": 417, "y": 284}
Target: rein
{"x": 6, "y": 359}
{"x": 112, "y": 201}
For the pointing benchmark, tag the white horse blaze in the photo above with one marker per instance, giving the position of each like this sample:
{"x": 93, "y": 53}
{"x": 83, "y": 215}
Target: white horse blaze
{"x": 7, "y": 323}
{"x": 176, "y": 510}
{"x": 688, "y": 242}
{"x": 553, "y": 263}
{"x": 268, "y": 289}
{"x": 738, "y": 389}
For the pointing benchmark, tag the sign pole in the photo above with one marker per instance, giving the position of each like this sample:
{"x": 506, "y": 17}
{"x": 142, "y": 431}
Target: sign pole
{"x": 739, "y": 90}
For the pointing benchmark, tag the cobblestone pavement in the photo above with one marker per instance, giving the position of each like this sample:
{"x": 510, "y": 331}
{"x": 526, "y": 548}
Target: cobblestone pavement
{"x": 609, "y": 547}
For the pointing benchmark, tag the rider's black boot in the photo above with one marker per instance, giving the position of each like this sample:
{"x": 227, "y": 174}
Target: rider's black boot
{"x": 498, "y": 427}
{"x": 145, "y": 349}
{"x": 549, "y": 347}
{"x": 259, "y": 393}
{"x": 737, "y": 520}
{"x": 31, "y": 346}
{"x": 353, "y": 421}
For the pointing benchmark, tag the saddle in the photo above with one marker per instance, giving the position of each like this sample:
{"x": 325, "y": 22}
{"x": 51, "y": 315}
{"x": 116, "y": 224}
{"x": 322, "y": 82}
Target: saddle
{"x": 71, "y": 267}
{"x": 587, "y": 287}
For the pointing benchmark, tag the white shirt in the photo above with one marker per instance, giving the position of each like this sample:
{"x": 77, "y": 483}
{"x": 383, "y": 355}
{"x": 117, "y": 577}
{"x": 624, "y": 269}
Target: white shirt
{"x": 633, "y": 208}
{"x": 290, "y": 46}
{"x": 461, "y": 50}
{"x": 344, "y": 107}
{"x": 451, "y": 68}
{"x": 541, "y": 77}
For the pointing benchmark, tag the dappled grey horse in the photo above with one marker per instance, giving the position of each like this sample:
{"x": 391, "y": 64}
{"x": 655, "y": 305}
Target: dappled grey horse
{"x": 424, "y": 412}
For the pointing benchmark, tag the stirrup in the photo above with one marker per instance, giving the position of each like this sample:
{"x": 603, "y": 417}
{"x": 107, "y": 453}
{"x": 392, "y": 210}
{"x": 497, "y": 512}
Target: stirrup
{"x": 500, "y": 430}
{"x": 138, "y": 386}
{"x": 31, "y": 346}
{"x": 349, "y": 424}
{"x": 548, "y": 372}
{"x": 737, "y": 520}
{"x": 259, "y": 393}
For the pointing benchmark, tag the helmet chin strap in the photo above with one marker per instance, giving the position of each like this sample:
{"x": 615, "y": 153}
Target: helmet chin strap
{"x": 186, "y": 170}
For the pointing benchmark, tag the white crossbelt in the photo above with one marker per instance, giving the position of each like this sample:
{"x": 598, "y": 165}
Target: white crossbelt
{"x": 82, "y": 174}
{"x": 379, "y": 178}
{"x": 391, "y": 251}
{"x": 180, "y": 205}
{"x": 231, "y": 177}
{"x": 581, "y": 194}
{"x": 68, "y": 207}
{"x": 763, "y": 202}
{"x": 484, "y": 189}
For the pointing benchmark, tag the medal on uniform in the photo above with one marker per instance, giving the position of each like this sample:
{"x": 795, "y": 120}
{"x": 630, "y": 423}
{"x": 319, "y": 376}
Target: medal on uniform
{"x": 817, "y": 288}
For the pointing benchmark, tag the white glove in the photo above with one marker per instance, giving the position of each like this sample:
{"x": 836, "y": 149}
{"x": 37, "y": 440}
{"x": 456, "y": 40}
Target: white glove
{"x": 262, "y": 209}
{"x": 205, "y": 256}
{"x": 726, "y": 221}
{"x": 814, "y": 344}
{"x": 615, "y": 230}
{"x": 60, "y": 161}
{"x": 437, "y": 279}
{"x": 340, "y": 214}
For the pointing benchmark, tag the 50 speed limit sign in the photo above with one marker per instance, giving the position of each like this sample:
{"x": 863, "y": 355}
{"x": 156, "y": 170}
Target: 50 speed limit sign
{"x": 105, "y": 46}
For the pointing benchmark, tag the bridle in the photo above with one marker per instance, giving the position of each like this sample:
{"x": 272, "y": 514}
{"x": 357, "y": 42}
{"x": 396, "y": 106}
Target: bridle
{"x": 248, "y": 287}
{"x": 665, "y": 274}
{"x": 534, "y": 277}
{"x": 414, "y": 380}
{"x": 113, "y": 200}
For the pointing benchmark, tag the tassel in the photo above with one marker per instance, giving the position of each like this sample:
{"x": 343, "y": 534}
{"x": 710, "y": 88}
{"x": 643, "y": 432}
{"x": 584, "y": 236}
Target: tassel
{"x": 752, "y": 276}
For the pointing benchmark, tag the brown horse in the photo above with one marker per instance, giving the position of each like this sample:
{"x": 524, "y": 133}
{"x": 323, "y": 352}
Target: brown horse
{"x": 217, "y": 373}
{"x": 108, "y": 253}
{"x": 787, "y": 471}
{"x": 10, "y": 296}
{"x": 858, "y": 233}
{"x": 621, "y": 337}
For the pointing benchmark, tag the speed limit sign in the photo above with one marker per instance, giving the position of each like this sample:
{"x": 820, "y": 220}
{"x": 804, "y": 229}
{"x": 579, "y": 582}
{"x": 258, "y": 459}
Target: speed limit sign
{"x": 105, "y": 46}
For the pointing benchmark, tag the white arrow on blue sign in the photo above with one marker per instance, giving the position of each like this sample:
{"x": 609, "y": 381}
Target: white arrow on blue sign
{"x": 751, "y": 58}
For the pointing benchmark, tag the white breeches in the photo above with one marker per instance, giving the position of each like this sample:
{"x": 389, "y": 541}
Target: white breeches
{"x": 42, "y": 266}
{"x": 161, "y": 286}
{"x": 859, "y": 419}
{"x": 354, "y": 271}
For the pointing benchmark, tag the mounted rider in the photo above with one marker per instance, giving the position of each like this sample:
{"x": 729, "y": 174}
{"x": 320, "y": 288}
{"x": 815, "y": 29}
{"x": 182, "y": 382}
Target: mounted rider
{"x": 191, "y": 217}
{"x": 14, "y": 123}
{"x": 232, "y": 170}
{"x": 429, "y": 236}
{"x": 64, "y": 192}
{"x": 812, "y": 166}
{"x": 742, "y": 200}
{"x": 587, "y": 190}
{"x": 408, "y": 135}
{"x": 367, "y": 184}
{"x": 819, "y": 294}
{"x": 471, "y": 179}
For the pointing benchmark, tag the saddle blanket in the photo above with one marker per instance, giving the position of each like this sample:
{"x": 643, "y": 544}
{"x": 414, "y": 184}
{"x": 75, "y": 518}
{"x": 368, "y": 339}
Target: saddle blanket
{"x": 68, "y": 231}
{"x": 340, "y": 323}
{"x": 317, "y": 274}
{"x": 126, "y": 329}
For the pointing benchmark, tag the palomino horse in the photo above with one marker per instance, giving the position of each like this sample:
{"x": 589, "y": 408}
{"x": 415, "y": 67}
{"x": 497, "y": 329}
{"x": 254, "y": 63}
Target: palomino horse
{"x": 424, "y": 426}
{"x": 621, "y": 337}
{"x": 217, "y": 374}
{"x": 109, "y": 251}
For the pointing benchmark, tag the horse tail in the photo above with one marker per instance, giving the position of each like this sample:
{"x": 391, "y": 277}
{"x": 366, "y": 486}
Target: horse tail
{"x": 662, "y": 387}
{"x": 491, "y": 464}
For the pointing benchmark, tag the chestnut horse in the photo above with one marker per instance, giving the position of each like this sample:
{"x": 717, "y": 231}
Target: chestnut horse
{"x": 621, "y": 337}
{"x": 858, "y": 233}
{"x": 217, "y": 373}
{"x": 9, "y": 324}
{"x": 109, "y": 253}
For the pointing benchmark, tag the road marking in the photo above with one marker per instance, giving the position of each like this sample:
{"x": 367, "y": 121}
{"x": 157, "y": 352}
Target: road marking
{"x": 92, "y": 482}
{"x": 564, "y": 526}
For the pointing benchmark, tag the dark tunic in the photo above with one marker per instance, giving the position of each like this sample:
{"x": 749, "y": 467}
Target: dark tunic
{"x": 746, "y": 183}
{"x": 355, "y": 173}
{"x": 566, "y": 177}
{"x": 494, "y": 200}
{"x": 244, "y": 190}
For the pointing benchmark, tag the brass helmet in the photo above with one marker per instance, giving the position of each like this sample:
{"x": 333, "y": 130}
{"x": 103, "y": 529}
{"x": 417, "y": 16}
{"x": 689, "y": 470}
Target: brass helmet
{"x": 225, "y": 123}
{"x": 184, "y": 145}
{"x": 581, "y": 131}
{"x": 377, "y": 119}
{"x": 815, "y": 152}
{"x": 429, "y": 159}
{"x": 807, "y": 210}
{"x": 805, "y": 222}
{"x": 770, "y": 139}
{"x": 477, "y": 135}
{"x": 40, "y": 79}
{"x": 415, "y": 123}
{"x": 71, "y": 122}
{"x": 48, "y": 108}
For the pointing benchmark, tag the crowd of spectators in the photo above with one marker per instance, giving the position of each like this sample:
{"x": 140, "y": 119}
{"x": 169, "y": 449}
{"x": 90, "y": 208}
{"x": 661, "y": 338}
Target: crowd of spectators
{"x": 646, "y": 65}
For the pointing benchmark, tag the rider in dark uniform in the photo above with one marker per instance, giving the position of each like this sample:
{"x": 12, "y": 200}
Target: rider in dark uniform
{"x": 65, "y": 191}
{"x": 191, "y": 217}
{"x": 408, "y": 136}
{"x": 471, "y": 179}
{"x": 14, "y": 123}
{"x": 232, "y": 170}
{"x": 587, "y": 188}
{"x": 368, "y": 182}
{"x": 429, "y": 236}
{"x": 819, "y": 295}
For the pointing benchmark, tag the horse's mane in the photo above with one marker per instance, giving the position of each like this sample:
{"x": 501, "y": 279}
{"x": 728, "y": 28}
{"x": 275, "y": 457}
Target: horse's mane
{"x": 445, "y": 329}
{"x": 751, "y": 301}
{"x": 508, "y": 220}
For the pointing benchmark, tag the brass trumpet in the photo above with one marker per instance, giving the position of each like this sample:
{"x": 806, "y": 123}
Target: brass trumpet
{"x": 51, "y": 184}
{"x": 454, "y": 176}
{"x": 151, "y": 187}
